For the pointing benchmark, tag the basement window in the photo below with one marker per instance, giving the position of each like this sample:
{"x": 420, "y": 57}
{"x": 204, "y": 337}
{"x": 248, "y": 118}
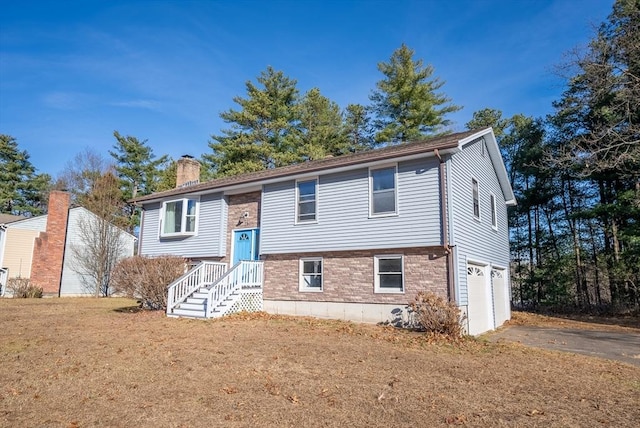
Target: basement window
{"x": 389, "y": 274}
{"x": 179, "y": 217}
{"x": 311, "y": 274}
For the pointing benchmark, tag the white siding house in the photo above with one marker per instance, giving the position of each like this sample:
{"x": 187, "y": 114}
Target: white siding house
{"x": 29, "y": 243}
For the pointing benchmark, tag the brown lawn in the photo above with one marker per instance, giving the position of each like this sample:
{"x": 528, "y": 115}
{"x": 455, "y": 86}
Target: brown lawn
{"x": 91, "y": 362}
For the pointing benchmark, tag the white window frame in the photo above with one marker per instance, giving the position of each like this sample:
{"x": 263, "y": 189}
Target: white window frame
{"x": 302, "y": 286}
{"x": 372, "y": 170}
{"x": 183, "y": 220}
{"x": 494, "y": 211}
{"x": 376, "y": 273}
{"x": 473, "y": 199}
{"x": 316, "y": 188}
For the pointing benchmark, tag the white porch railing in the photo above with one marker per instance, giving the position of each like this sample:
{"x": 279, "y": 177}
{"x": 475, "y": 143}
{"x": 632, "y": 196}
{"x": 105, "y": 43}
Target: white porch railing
{"x": 244, "y": 275}
{"x": 205, "y": 273}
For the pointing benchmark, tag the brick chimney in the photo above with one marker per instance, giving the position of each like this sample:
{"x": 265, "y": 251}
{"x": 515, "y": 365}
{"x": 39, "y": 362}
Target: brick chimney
{"x": 48, "y": 251}
{"x": 187, "y": 171}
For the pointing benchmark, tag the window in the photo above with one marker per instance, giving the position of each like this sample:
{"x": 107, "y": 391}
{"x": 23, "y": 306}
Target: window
{"x": 383, "y": 191}
{"x": 311, "y": 274}
{"x": 179, "y": 217}
{"x": 476, "y": 200}
{"x": 494, "y": 212}
{"x": 389, "y": 277}
{"x": 306, "y": 201}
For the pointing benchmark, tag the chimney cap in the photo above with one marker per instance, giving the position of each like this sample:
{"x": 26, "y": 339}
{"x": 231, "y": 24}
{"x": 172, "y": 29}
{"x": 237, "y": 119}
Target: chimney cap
{"x": 187, "y": 157}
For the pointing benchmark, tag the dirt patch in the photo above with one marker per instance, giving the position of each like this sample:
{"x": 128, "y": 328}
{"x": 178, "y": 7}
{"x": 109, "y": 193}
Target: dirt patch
{"x": 83, "y": 362}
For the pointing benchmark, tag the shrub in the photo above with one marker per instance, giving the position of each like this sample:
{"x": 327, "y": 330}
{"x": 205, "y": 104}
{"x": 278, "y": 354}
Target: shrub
{"x": 22, "y": 288}
{"x": 433, "y": 314}
{"x": 147, "y": 278}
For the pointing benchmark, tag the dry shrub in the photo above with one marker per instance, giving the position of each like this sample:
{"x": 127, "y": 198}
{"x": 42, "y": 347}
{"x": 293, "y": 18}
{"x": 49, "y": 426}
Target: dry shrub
{"x": 434, "y": 314}
{"x": 147, "y": 278}
{"x": 22, "y": 288}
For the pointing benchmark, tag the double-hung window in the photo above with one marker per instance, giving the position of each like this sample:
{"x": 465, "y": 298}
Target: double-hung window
{"x": 179, "y": 217}
{"x": 307, "y": 192}
{"x": 389, "y": 274}
{"x": 311, "y": 274}
{"x": 475, "y": 193}
{"x": 383, "y": 191}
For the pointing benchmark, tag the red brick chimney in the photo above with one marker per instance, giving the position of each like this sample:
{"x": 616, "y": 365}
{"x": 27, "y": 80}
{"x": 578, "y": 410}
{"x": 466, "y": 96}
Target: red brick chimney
{"x": 187, "y": 171}
{"x": 48, "y": 252}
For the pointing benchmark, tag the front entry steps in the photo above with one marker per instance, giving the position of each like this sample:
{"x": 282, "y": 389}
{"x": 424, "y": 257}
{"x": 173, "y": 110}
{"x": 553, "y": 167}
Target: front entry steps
{"x": 211, "y": 291}
{"x": 196, "y": 306}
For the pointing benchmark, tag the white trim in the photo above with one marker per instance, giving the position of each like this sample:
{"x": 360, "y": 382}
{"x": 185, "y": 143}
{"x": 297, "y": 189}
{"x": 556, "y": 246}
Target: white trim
{"x": 476, "y": 262}
{"x": 376, "y": 278}
{"x": 297, "y": 200}
{"x": 395, "y": 190}
{"x": 473, "y": 213}
{"x": 494, "y": 211}
{"x": 305, "y": 289}
{"x": 496, "y": 160}
{"x": 183, "y": 221}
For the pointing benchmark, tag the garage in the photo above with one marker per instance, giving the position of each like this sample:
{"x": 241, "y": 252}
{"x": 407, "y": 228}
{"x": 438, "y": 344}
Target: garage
{"x": 480, "y": 310}
{"x": 500, "y": 296}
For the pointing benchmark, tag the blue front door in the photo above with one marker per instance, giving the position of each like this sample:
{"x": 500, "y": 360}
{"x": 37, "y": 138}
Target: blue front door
{"x": 245, "y": 245}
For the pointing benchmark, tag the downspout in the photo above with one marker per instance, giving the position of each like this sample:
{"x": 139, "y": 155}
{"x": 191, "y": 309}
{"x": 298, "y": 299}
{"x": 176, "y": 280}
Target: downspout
{"x": 445, "y": 229}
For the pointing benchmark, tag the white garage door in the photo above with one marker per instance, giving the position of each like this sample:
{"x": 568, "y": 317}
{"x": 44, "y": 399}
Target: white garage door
{"x": 500, "y": 296}
{"x": 480, "y": 311}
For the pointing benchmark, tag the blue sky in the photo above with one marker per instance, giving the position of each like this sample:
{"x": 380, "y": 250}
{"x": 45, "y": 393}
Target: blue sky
{"x": 72, "y": 72}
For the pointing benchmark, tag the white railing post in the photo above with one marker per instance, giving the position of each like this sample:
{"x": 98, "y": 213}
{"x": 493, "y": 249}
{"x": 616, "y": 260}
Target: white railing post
{"x": 187, "y": 284}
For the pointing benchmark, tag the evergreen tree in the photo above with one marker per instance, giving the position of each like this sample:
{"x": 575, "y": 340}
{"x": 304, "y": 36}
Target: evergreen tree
{"x": 406, "y": 105}
{"x": 138, "y": 171}
{"x": 597, "y": 141}
{"x": 489, "y": 117}
{"x": 22, "y": 190}
{"x": 357, "y": 128}
{"x": 320, "y": 127}
{"x": 265, "y": 131}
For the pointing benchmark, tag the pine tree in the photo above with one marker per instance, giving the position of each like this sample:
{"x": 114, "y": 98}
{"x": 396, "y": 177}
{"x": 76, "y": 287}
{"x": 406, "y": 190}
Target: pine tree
{"x": 138, "y": 171}
{"x": 320, "y": 127}
{"x": 357, "y": 128}
{"x": 264, "y": 133}
{"x": 406, "y": 105}
{"x": 22, "y": 190}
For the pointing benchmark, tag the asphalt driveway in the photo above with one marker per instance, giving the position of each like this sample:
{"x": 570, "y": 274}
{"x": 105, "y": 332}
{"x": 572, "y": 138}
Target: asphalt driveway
{"x": 613, "y": 345}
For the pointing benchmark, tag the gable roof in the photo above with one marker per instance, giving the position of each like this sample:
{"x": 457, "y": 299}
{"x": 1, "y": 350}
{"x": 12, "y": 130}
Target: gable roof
{"x": 43, "y": 217}
{"x": 444, "y": 144}
{"x": 9, "y": 218}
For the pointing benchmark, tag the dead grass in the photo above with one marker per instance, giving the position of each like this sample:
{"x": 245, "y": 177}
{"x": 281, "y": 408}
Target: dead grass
{"x": 590, "y": 322}
{"x": 92, "y": 362}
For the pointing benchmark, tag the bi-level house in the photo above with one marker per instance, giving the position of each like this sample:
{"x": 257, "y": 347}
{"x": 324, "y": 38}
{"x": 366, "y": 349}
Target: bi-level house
{"x": 352, "y": 237}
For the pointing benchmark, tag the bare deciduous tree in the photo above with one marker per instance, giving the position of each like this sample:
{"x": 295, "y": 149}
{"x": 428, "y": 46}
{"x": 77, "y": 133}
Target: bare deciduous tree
{"x": 101, "y": 243}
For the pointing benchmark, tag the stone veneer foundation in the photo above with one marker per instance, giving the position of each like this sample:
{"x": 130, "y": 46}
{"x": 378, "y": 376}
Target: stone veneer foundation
{"x": 348, "y": 284}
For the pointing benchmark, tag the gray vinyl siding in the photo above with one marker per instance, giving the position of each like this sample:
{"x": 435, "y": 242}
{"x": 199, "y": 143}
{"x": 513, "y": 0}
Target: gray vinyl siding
{"x": 476, "y": 240}
{"x": 210, "y": 240}
{"x": 343, "y": 220}
{"x": 34, "y": 223}
{"x": 73, "y": 282}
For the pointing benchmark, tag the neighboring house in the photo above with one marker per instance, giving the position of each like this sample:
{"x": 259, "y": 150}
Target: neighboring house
{"x": 40, "y": 248}
{"x": 352, "y": 237}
